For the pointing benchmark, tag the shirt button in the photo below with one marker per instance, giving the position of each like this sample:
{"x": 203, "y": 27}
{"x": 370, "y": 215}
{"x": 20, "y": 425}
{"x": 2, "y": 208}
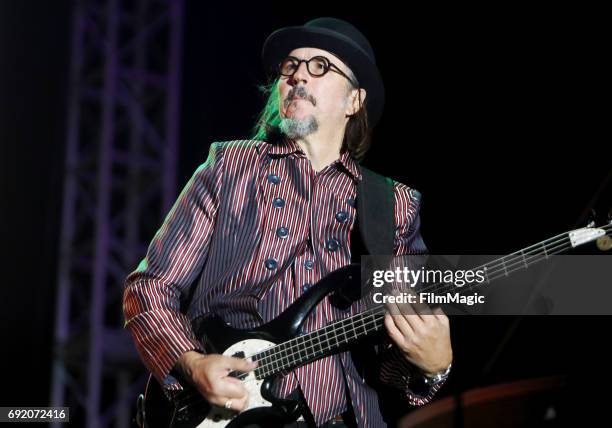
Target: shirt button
{"x": 351, "y": 202}
{"x": 309, "y": 264}
{"x": 282, "y": 232}
{"x": 306, "y": 286}
{"x": 273, "y": 178}
{"x": 341, "y": 216}
{"x": 278, "y": 202}
{"x": 271, "y": 263}
{"x": 332, "y": 244}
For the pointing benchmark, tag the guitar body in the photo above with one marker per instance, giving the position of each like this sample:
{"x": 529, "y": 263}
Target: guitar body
{"x": 188, "y": 409}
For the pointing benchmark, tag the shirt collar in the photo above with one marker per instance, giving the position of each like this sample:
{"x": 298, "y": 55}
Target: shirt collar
{"x": 350, "y": 165}
{"x": 286, "y": 146}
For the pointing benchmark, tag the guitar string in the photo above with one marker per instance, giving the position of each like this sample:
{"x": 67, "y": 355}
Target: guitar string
{"x": 520, "y": 255}
{"x": 508, "y": 264}
{"x": 351, "y": 322}
{"x": 370, "y": 325}
{"x": 348, "y": 327}
{"x": 551, "y": 251}
{"x": 305, "y": 349}
{"x": 350, "y": 332}
{"x": 374, "y": 321}
{"x": 525, "y": 261}
{"x": 495, "y": 274}
{"x": 241, "y": 375}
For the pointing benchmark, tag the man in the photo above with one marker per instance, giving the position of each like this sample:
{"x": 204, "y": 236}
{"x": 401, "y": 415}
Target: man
{"x": 264, "y": 219}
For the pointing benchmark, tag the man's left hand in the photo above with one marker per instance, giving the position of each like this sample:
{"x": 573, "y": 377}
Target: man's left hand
{"x": 422, "y": 334}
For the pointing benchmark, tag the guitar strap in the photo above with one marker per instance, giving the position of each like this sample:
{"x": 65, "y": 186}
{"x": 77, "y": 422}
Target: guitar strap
{"x": 374, "y": 230}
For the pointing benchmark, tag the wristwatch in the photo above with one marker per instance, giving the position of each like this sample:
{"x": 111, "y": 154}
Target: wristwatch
{"x": 436, "y": 378}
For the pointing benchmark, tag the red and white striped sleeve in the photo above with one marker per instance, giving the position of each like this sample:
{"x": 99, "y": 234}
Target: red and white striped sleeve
{"x": 174, "y": 259}
{"x": 395, "y": 369}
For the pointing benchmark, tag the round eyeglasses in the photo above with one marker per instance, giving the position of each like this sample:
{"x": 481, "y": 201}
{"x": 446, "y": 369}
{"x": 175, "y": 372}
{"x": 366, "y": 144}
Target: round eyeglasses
{"x": 317, "y": 66}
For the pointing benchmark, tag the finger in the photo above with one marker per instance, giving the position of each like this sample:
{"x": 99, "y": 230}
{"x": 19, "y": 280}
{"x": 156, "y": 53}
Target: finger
{"x": 235, "y": 404}
{"x": 422, "y": 309}
{"x": 404, "y": 314}
{"x": 241, "y": 404}
{"x": 392, "y": 307}
{"x": 227, "y": 388}
{"x": 241, "y": 364}
{"x": 233, "y": 380}
{"x": 409, "y": 315}
{"x": 394, "y": 333}
{"x": 402, "y": 324}
{"x": 414, "y": 305}
{"x": 440, "y": 315}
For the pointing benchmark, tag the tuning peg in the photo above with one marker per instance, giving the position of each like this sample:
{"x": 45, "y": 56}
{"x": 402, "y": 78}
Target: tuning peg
{"x": 604, "y": 243}
{"x": 592, "y": 218}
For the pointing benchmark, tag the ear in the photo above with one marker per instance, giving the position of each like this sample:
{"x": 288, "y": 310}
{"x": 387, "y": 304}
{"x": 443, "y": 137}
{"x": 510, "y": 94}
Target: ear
{"x": 357, "y": 100}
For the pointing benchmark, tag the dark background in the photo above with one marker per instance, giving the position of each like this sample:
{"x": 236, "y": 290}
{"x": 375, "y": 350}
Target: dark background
{"x": 499, "y": 117}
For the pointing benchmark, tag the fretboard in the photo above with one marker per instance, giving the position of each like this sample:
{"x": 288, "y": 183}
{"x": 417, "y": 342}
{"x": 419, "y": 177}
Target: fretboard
{"x": 317, "y": 344}
{"x": 333, "y": 337}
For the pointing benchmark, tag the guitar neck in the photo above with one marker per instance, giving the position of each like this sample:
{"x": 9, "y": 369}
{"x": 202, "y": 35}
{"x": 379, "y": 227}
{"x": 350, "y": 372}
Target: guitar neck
{"x": 331, "y": 338}
{"x": 528, "y": 256}
{"x": 320, "y": 343}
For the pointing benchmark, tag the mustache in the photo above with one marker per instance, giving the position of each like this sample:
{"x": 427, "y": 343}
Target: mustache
{"x": 299, "y": 92}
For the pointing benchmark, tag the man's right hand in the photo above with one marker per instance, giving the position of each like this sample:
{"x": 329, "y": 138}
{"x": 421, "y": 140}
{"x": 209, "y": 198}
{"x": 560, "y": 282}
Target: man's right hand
{"x": 209, "y": 374}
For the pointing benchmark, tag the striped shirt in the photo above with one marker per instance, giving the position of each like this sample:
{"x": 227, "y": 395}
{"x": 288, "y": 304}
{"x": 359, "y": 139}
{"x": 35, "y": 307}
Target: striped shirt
{"x": 253, "y": 228}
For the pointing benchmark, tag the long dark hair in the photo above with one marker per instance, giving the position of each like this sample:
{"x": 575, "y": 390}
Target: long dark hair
{"x": 357, "y": 135}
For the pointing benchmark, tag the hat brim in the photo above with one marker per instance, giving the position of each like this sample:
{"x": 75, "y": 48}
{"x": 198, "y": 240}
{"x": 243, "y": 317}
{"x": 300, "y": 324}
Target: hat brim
{"x": 281, "y": 42}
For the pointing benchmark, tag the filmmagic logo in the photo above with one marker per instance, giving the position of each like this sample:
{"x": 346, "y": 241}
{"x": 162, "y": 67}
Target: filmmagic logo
{"x": 430, "y": 298}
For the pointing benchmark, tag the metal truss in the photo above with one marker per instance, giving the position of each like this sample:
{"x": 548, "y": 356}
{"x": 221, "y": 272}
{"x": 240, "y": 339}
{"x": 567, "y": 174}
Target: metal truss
{"x": 120, "y": 179}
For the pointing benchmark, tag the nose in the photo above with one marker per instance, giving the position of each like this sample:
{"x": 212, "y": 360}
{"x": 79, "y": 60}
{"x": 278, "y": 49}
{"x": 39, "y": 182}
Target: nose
{"x": 301, "y": 75}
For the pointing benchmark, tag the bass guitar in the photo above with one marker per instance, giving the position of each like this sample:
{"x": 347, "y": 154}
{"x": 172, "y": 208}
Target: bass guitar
{"x": 278, "y": 347}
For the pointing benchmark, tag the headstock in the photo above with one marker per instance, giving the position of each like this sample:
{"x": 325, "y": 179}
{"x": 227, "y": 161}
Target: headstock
{"x": 604, "y": 243}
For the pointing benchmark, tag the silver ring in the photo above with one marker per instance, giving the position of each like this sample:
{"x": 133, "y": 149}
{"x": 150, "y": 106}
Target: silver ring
{"x": 228, "y": 404}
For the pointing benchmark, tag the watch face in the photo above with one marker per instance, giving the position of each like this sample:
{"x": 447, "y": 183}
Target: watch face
{"x": 434, "y": 381}
{"x": 438, "y": 377}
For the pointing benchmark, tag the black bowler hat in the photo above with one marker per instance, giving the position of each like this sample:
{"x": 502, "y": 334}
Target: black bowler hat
{"x": 343, "y": 40}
